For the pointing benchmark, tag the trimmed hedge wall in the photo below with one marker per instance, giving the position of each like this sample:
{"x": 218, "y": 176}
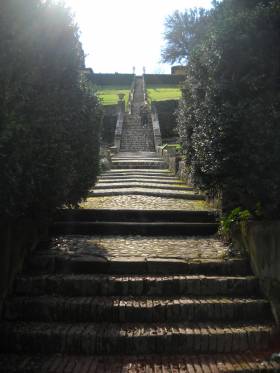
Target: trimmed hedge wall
{"x": 229, "y": 115}
{"x": 167, "y": 117}
{"x": 108, "y": 129}
{"x": 112, "y": 79}
{"x": 167, "y": 79}
{"x": 49, "y": 119}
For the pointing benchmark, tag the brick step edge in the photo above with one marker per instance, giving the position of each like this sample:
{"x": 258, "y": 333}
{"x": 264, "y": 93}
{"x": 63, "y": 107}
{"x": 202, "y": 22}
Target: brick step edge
{"x": 108, "y": 338}
{"x": 128, "y": 309}
{"x": 138, "y": 228}
{"x": 226, "y": 363}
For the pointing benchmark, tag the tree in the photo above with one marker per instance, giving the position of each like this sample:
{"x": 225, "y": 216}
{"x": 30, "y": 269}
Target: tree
{"x": 182, "y": 31}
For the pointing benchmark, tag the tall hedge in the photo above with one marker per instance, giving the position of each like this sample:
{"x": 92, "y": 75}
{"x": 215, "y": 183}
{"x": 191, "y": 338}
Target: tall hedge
{"x": 167, "y": 118}
{"x": 229, "y": 116}
{"x": 49, "y": 120}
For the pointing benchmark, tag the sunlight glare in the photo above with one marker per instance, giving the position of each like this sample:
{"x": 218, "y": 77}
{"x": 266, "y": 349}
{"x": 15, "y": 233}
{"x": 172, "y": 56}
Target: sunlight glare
{"x": 118, "y": 35}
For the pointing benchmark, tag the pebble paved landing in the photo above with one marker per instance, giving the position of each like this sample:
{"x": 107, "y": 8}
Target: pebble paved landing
{"x": 138, "y": 246}
{"x": 136, "y": 202}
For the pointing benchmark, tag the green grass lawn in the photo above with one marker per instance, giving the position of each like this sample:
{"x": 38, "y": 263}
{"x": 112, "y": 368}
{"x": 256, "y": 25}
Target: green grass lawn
{"x": 163, "y": 93}
{"x": 109, "y": 95}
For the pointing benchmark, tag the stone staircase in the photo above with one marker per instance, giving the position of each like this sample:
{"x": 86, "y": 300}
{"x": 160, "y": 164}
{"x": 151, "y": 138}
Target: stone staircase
{"x": 136, "y": 282}
{"x": 136, "y": 137}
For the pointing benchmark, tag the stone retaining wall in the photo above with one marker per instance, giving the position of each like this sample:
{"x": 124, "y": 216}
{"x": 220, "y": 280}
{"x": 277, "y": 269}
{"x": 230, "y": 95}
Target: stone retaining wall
{"x": 261, "y": 241}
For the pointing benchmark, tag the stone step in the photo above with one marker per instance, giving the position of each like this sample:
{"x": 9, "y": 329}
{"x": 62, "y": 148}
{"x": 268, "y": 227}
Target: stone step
{"x": 163, "y": 177}
{"x": 135, "y": 185}
{"x": 143, "y": 171}
{"x": 228, "y": 363}
{"x": 137, "y": 147}
{"x": 134, "y": 228}
{"x": 210, "y": 216}
{"x": 136, "y": 165}
{"x": 46, "y": 261}
{"x": 135, "y": 309}
{"x": 111, "y": 285}
{"x": 145, "y": 159}
{"x": 143, "y": 202}
{"x": 155, "y": 192}
{"x": 137, "y": 154}
{"x": 139, "y": 180}
{"x": 129, "y": 338}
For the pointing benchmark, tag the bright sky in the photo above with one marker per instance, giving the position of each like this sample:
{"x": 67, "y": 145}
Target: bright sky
{"x": 120, "y": 34}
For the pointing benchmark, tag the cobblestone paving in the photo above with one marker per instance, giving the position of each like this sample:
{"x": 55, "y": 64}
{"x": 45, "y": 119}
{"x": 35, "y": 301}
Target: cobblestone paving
{"x": 139, "y": 246}
{"x": 141, "y": 364}
{"x": 141, "y": 202}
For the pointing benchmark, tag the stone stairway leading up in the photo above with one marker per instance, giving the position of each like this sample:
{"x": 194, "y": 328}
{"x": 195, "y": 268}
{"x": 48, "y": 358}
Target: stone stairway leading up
{"x": 136, "y": 136}
{"x": 136, "y": 281}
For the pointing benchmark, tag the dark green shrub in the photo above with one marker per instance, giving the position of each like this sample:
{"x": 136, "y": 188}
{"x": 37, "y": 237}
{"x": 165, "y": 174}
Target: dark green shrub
{"x": 158, "y": 79}
{"x": 228, "y": 119}
{"x": 49, "y": 120}
{"x": 167, "y": 118}
{"x": 112, "y": 79}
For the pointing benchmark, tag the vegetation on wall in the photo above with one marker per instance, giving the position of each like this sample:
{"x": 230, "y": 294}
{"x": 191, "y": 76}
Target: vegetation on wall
{"x": 228, "y": 119}
{"x": 167, "y": 118}
{"x": 49, "y": 119}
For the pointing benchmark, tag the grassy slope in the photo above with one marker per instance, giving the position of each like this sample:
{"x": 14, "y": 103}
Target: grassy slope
{"x": 162, "y": 93}
{"x": 109, "y": 95}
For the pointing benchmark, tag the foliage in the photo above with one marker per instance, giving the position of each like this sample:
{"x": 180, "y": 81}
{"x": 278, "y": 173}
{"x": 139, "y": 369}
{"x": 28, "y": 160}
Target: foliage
{"x": 163, "y": 79}
{"x": 109, "y": 80}
{"x": 228, "y": 119}
{"x": 235, "y": 216}
{"x": 49, "y": 120}
{"x": 181, "y": 33}
{"x": 166, "y": 116}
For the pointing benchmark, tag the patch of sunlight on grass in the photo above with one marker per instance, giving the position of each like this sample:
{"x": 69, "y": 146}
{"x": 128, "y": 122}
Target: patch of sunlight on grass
{"x": 109, "y": 94}
{"x": 163, "y": 93}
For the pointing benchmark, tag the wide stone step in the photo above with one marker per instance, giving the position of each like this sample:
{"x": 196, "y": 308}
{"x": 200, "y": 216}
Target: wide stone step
{"x": 135, "y": 309}
{"x": 56, "y": 262}
{"x": 246, "y": 362}
{"x": 143, "y": 171}
{"x": 147, "y": 185}
{"x": 156, "y": 178}
{"x": 163, "y": 182}
{"x": 145, "y": 203}
{"x": 111, "y": 285}
{"x": 137, "y": 154}
{"x": 136, "y": 228}
{"x": 105, "y": 338}
{"x": 156, "y": 192}
{"x": 136, "y": 165}
{"x": 137, "y": 215}
{"x": 138, "y": 159}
